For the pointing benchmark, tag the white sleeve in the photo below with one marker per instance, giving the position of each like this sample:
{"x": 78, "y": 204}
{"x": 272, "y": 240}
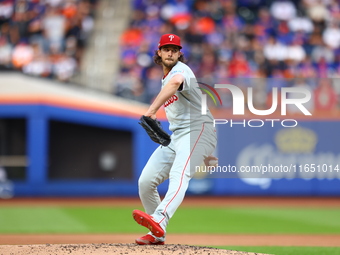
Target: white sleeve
{"x": 176, "y": 70}
{"x": 181, "y": 71}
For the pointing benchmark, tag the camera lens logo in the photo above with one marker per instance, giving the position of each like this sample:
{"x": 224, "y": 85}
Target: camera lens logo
{"x": 209, "y": 90}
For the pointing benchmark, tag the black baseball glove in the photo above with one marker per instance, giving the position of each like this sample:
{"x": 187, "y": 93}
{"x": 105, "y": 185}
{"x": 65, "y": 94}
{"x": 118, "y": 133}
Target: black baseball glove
{"x": 155, "y": 130}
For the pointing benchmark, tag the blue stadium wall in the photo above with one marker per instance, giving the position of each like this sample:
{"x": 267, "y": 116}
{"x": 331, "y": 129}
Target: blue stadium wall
{"x": 37, "y": 182}
{"x": 237, "y": 146}
{"x": 307, "y": 160}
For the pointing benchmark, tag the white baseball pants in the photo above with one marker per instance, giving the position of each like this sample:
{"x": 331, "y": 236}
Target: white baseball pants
{"x": 177, "y": 163}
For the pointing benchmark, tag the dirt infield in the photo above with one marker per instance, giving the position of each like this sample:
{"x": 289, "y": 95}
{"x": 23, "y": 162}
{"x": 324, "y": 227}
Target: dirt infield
{"x": 188, "y": 239}
{"x": 99, "y": 249}
{"x": 175, "y": 244}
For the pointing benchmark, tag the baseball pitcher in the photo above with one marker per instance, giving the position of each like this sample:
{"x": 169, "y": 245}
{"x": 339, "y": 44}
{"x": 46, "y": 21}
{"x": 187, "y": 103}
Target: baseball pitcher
{"x": 192, "y": 141}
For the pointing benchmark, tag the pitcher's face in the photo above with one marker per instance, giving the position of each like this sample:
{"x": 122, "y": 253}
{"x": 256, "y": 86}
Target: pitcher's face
{"x": 170, "y": 55}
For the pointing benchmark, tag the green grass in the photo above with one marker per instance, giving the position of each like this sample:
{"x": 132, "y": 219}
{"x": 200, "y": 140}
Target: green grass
{"x": 284, "y": 250}
{"x": 257, "y": 220}
{"x": 186, "y": 220}
{"x": 67, "y": 220}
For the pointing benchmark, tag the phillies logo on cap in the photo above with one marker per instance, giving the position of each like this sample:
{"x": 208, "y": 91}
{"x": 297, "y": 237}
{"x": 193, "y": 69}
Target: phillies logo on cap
{"x": 170, "y": 39}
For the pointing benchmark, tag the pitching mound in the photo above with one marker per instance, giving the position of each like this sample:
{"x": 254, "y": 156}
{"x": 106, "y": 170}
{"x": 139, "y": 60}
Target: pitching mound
{"x": 98, "y": 249}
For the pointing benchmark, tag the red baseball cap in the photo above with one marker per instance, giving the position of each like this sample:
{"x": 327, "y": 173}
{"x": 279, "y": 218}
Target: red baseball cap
{"x": 169, "y": 39}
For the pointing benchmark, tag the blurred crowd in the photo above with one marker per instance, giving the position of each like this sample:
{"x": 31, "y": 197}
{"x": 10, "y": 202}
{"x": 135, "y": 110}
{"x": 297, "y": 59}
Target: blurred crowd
{"x": 284, "y": 42}
{"x": 44, "y": 38}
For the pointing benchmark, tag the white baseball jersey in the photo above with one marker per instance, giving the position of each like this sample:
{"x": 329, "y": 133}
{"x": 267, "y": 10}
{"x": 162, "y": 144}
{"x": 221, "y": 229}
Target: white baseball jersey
{"x": 184, "y": 107}
{"x": 193, "y": 139}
